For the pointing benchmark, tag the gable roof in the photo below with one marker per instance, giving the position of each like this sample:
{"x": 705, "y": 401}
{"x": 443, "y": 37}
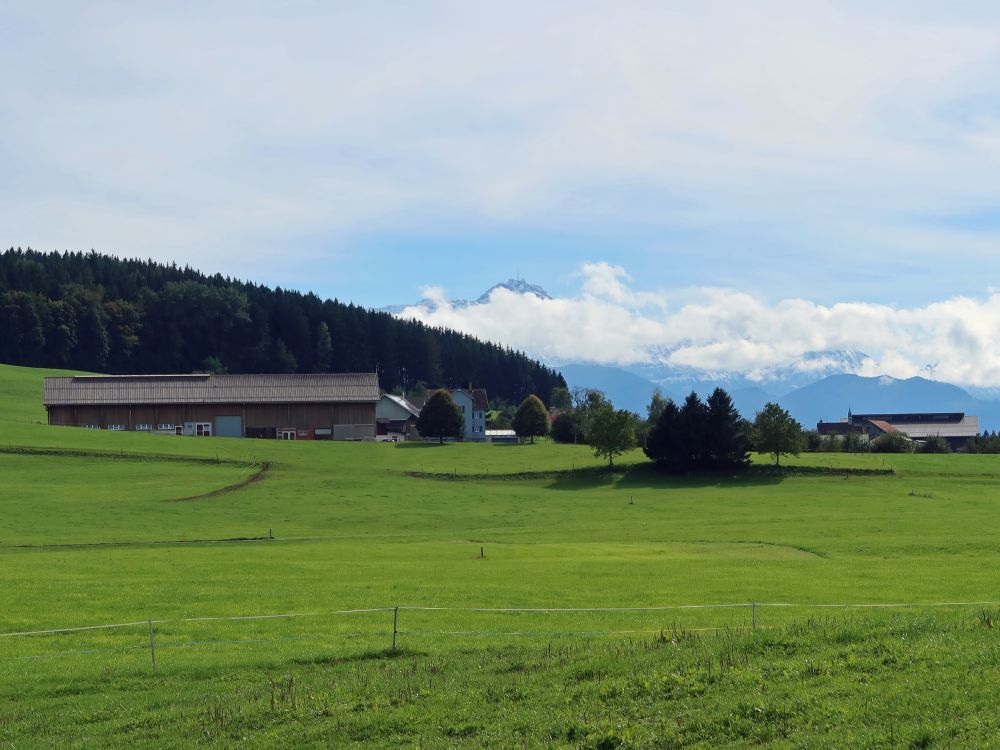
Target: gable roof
{"x": 403, "y": 403}
{"x": 478, "y": 395}
{"x": 211, "y": 389}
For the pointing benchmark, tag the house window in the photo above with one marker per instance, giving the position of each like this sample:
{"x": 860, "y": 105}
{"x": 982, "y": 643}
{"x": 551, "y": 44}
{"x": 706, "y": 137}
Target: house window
{"x": 143, "y": 427}
{"x": 116, "y": 427}
{"x": 91, "y": 426}
{"x": 203, "y": 429}
{"x": 286, "y": 434}
{"x": 166, "y": 428}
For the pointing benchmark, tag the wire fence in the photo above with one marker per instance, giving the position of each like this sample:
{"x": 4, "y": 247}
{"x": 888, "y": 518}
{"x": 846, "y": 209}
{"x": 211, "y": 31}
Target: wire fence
{"x": 386, "y": 632}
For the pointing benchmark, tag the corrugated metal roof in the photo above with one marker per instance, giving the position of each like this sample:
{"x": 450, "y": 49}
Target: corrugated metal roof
{"x": 968, "y": 427}
{"x": 403, "y": 403}
{"x": 211, "y": 389}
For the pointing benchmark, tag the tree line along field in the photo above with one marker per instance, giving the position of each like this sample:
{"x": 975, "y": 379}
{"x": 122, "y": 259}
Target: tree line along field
{"x": 110, "y": 528}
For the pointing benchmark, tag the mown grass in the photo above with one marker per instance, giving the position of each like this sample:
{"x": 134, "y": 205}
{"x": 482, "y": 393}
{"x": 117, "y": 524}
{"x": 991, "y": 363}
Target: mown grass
{"x": 335, "y": 526}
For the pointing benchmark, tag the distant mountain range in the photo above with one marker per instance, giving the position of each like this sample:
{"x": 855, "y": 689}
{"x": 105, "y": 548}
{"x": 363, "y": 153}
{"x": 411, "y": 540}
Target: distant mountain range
{"x": 828, "y": 399}
{"x": 776, "y": 380}
{"x": 818, "y": 385}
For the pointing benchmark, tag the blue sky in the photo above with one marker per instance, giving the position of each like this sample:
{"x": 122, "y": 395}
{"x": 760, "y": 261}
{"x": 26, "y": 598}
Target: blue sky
{"x": 824, "y": 151}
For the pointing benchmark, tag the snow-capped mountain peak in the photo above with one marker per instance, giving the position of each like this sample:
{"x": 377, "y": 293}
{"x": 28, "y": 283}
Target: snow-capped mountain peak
{"x": 517, "y": 286}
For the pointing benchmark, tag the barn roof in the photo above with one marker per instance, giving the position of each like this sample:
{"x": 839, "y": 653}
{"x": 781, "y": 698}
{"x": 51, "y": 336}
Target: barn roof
{"x": 211, "y": 389}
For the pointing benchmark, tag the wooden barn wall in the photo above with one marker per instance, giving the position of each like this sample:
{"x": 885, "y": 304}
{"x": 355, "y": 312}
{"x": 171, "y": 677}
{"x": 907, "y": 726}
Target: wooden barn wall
{"x": 305, "y": 416}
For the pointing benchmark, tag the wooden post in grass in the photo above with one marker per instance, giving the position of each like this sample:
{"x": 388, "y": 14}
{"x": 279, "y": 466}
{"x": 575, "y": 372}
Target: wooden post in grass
{"x": 152, "y": 645}
{"x": 753, "y": 615}
{"x": 395, "y": 622}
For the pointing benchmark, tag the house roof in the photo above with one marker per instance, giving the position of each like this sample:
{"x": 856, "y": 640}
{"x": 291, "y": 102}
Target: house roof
{"x": 883, "y": 425}
{"x": 403, "y": 403}
{"x": 479, "y": 399}
{"x": 211, "y": 389}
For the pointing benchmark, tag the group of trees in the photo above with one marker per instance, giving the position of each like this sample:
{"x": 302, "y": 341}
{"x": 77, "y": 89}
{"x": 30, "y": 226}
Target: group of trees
{"x": 696, "y": 436}
{"x": 711, "y": 435}
{"x": 588, "y": 416}
{"x": 94, "y": 312}
{"x": 699, "y": 435}
{"x": 987, "y": 442}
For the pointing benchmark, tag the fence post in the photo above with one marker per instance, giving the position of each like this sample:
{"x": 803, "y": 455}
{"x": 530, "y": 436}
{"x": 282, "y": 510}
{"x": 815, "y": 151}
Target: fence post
{"x": 753, "y": 615}
{"x": 395, "y": 622}
{"x": 152, "y": 645}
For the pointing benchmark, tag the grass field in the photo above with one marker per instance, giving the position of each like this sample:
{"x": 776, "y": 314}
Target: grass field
{"x": 100, "y": 528}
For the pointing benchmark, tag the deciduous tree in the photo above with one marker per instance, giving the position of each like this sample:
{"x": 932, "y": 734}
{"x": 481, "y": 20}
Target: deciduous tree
{"x": 441, "y": 417}
{"x": 611, "y": 432}
{"x": 531, "y": 419}
{"x": 776, "y": 432}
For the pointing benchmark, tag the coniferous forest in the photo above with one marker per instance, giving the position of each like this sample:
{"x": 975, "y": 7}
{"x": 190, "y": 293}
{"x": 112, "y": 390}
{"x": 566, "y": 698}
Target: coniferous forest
{"x": 95, "y": 312}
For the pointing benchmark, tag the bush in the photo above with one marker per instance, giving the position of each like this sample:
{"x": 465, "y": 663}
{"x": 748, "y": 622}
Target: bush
{"x": 892, "y": 442}
{"x": 934, "y": 444}
{"x": 830, "y": 444}
{"x": 565, "y": 429}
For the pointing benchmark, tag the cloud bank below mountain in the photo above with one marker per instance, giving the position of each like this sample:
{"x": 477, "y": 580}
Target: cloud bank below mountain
{"x": 611, "y": 321}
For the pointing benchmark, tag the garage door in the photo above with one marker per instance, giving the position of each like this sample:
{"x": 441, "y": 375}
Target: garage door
{"x": 229, "y": 426}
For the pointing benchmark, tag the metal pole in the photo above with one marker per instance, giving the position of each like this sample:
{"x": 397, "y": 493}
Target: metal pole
{"x": 152, "y": 645}
{"x": 753, "y": 615}
{"x": 395, "y": 622}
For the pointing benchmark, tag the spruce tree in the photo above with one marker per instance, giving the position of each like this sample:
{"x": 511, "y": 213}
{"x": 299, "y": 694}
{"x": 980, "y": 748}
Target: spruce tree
{"x": 726, "y": 440}
{"x": 665, "y": 443}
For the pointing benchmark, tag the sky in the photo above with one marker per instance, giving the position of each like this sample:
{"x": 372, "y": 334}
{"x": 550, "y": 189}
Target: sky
{"x": 720, "y": 158}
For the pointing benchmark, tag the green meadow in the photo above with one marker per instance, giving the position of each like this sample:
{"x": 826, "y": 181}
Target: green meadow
{"x": 122, "y": 528}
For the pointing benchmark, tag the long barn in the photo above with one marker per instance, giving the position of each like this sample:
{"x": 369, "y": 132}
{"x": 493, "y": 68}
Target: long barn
{"x": 291, "y": 407}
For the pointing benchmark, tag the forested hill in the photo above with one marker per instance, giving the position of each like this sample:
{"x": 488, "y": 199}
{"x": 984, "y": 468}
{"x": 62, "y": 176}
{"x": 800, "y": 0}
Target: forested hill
{"x": 95, "y": 312}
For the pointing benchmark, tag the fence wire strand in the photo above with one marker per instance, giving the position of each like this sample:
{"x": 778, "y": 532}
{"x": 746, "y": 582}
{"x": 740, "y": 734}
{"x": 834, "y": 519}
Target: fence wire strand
{"x": 455, "y": 609}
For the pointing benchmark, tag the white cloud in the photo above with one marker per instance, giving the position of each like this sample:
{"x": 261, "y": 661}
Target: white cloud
{"x": 192, "y": 130}
{"x": 955, "y": 340}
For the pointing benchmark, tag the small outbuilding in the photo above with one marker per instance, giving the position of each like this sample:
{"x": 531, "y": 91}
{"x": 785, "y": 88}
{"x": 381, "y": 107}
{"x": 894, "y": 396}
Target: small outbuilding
{"x": 396, "y": 419}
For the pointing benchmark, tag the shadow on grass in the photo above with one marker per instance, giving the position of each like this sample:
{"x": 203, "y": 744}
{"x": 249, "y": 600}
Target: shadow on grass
{"x": 644, "y": 476}
{"x": 374, "y": 655}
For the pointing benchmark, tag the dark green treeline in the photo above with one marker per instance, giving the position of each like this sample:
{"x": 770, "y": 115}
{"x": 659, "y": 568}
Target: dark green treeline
{"x": 95, "y": 312}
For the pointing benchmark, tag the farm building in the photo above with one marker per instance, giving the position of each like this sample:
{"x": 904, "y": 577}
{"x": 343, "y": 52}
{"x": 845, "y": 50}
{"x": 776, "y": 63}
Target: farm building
{"x": 396, "y": 419}
{"x": 333, "y": 406}
{"x": 955, "y": 427}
